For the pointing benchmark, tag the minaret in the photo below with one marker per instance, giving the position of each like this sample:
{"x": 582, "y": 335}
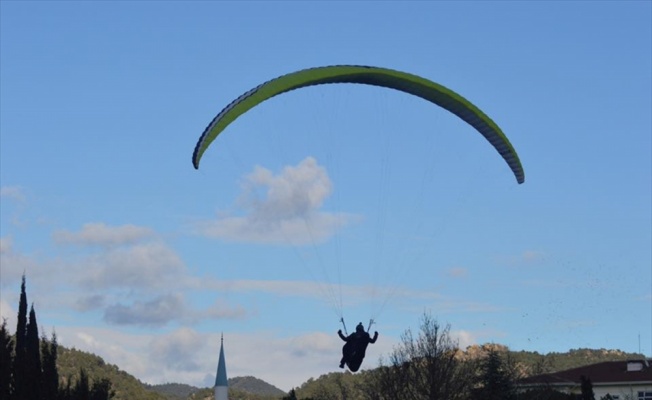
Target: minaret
{"x": 221, "y": 384}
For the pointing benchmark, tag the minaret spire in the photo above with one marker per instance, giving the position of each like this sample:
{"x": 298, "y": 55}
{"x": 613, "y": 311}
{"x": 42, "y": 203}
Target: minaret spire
{"x": 221, "y": 383}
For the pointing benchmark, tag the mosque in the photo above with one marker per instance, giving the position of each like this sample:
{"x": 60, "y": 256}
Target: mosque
{"x": 221, "y": 383}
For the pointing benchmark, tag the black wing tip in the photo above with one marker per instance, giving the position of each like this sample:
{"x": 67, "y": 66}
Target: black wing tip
{"x": 520, "y": 179}
{"x": 195, "y": 160}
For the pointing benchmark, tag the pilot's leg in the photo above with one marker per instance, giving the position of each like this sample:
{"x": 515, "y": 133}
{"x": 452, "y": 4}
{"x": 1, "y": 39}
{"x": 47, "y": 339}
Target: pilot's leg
{"x": 346, "y": 351}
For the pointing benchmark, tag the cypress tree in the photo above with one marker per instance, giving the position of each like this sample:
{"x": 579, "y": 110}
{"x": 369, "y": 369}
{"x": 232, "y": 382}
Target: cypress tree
{"x": 21, "y": 382}
{"x": 49, "y": 351}
{"x": 33, "y": 357}
{"x": 6, "y": 358}
{"x": 66, "y": 390}
{"x": 82, "y": 389}
{"x": 291, "y": 396}
{"x": 101, "y": 390}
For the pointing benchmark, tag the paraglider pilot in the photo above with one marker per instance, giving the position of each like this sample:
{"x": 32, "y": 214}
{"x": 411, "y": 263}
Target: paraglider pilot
{"x": 354, "y": 349}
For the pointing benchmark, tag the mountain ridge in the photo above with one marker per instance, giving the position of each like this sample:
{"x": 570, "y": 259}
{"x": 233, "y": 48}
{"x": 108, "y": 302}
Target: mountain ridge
{"x": 127, "y": 386}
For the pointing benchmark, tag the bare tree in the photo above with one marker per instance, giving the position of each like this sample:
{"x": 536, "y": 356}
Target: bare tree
{"x": 427, "y": 367}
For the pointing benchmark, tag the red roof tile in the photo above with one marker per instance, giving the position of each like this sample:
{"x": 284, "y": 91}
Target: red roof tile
{"x": 604, "y": 372}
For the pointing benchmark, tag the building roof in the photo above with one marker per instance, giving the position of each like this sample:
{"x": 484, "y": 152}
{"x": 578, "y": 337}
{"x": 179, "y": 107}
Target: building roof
{"x": 220, "y": 378}
{"x": 608, "y": 372}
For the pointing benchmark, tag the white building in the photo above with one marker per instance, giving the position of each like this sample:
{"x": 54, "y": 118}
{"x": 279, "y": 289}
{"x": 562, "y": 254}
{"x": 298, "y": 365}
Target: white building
{"x": 221, "y": 383}
{"x": 621, "y": 380}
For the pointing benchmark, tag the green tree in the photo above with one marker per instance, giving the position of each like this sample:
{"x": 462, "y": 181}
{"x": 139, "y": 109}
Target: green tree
{"x": 33, "y": 358}
{"x": 496, "y": 378}
{"x": 291, "y": 396}
{"x": 587, "y": 388}
{"x": 20, "y": 368}
{"x": 101, "y": 390}
{"x": 49, "y": 352}
{"x": 6, "y": 361}
{"x": 82, "y": 389}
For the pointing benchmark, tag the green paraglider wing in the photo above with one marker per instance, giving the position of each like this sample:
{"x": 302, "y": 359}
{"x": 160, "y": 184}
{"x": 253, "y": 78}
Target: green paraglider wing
{"x": 383, "y": 77}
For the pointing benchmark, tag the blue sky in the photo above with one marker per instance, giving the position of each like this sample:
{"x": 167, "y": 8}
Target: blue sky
{"x": 367, "y": 202}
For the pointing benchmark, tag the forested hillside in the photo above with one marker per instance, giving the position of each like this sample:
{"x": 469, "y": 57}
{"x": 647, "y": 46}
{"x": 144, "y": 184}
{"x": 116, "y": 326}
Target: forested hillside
{"x": 126, "y": 387}
{"x": 253, "y": 385}
{"x": 173, "y": 391}
{"x": 532, "y": 362}
{"x": 251, "y": 388}
{"x": 243, "y": 387}
{"x": 526, "y": 363}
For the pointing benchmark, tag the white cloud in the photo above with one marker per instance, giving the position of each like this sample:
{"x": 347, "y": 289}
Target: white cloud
{"x": 14, "y": 200}
{"x": 351, "y": 295}
{"x": 13, "y": 264}
{"x": 6, "y": 245}
{"x": 12, "y": 192}
{"x": 164, "y": 309}
{"x": 155, "y": 312}
{"x": 179, "y": 350}
{"x": 89, "y": 303}
{"x": 281, "y": 209}
{"x": 467, "y": 338}
{"x": 143, "y": 266}
{"x": 464, "y": 338}
{"x": 7, "y": 313}
{"x": 276, "y": 287}
{"x": 146, "y": 285}
{"x": 314, "y": 343}
{"x": 99, "y": 234}
{"x": 150, "y": 266}
{"x": 221, "y": 310}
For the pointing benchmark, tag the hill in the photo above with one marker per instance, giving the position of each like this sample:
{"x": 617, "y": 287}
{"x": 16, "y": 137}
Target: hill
{"x": 351, "y": 386}
{"x": 126, "y": 387}
{"x": 173, "y": 391}
{"x": 243, "y": 387}
{"x": 253, "y": 385}
{"x": 532, "y": 362}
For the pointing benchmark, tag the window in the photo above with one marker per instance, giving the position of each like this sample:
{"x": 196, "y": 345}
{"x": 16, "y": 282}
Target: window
{"x": 644, "y": 395}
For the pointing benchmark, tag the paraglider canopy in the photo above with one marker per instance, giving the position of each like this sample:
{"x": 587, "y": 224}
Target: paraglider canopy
{"x": 388, "y": 78}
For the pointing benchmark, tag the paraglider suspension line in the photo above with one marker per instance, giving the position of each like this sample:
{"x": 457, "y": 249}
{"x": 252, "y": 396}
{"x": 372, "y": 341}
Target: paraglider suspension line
{"x": 371, "y": 322}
